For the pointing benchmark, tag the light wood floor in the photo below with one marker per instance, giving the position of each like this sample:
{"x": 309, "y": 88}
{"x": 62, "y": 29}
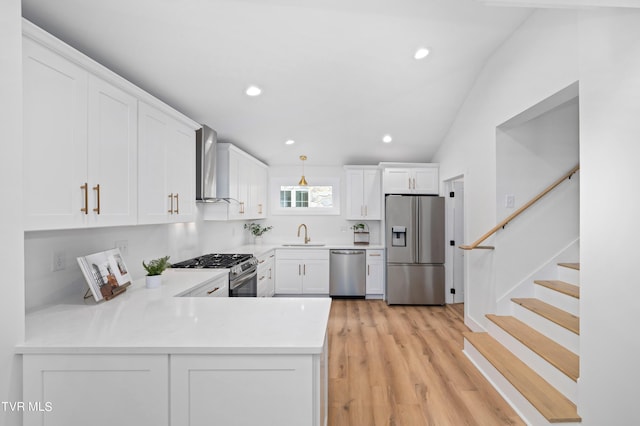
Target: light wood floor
{"x": 404, "y": 366}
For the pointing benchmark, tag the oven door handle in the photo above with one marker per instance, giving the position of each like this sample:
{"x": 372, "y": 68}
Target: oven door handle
{"x": 243, "y": 279}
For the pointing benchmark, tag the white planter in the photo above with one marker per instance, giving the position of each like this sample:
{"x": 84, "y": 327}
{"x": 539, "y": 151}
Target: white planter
{"x": 153, "y": 281}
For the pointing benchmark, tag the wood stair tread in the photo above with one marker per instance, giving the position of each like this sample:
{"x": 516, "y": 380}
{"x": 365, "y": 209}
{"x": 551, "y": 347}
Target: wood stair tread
{"x": 561, "y": 287}
{"x": 553, "y": 314}
{"x": 571, "y": 265}
{"x": 553, "y": 405}
{"x": 554, "y": 353}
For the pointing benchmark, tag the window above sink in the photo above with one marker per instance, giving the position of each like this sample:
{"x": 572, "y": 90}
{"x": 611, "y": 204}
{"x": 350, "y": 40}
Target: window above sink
{"x": 321, "y": 198}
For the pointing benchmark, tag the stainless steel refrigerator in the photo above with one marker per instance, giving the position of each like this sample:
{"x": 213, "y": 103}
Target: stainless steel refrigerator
{"x": 415, "y": 243}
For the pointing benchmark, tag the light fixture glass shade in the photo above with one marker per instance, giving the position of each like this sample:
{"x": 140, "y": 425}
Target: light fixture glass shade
{"x": 303, "y": 181}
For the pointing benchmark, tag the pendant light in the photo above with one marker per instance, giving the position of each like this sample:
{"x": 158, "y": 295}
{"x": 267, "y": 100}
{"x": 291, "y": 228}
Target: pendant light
{"x": 303, "y": 181}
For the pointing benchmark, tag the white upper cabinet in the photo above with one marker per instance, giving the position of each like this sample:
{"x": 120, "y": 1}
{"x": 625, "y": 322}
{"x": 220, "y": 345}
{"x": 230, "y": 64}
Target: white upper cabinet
{"x": 82, "y": 131}
{"x": 80, "y": 146}
{"x": 242, "y": 182}
{"x": 166, "y": 168}
{"x": 411, "y": 180}
{"x": 364, "y": 193}
{"x": 113, "y": 154}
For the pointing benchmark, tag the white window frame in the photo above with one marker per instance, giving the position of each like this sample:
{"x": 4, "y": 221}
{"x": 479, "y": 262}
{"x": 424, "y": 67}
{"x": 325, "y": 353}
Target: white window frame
{"x": 274, "y": 192}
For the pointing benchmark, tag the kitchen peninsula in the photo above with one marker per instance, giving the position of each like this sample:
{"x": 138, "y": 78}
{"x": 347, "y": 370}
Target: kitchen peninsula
{"x": 148, "y": 357}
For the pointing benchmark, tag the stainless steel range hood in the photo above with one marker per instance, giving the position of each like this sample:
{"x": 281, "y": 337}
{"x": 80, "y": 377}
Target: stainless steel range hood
{"x": 206, "y": 149}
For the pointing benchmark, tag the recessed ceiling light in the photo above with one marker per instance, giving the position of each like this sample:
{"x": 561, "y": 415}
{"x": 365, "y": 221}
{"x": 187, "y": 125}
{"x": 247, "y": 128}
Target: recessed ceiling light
{"x": 290, "y": 142}
{"x": 421, "y": 53}
{"x": 253, "y": 91}
{"x": 387, "y": 139}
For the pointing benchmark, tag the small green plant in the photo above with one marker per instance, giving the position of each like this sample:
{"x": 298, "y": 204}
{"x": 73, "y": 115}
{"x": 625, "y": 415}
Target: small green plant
{"x": 358, "y": 227}
{"x": 156, "y": 266}
{"x": 256, "y": 229}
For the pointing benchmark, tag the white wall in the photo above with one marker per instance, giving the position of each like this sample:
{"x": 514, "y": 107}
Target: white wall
{"x": 531, "y": 156}
{"x": 11, "y": 252}
{"x": 610, "y": 216}
{"x": 539, "y": 60}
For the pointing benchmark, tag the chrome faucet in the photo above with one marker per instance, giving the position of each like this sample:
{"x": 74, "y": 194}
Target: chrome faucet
{"x": 306, "y": 238}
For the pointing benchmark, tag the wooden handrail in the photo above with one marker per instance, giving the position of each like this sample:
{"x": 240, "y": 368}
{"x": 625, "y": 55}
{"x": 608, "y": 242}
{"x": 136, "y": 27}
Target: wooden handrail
{"x": 502, "y": 224}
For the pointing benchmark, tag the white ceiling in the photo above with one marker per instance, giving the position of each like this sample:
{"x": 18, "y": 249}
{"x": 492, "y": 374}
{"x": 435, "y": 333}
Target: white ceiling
{"x": 336, "y": 75}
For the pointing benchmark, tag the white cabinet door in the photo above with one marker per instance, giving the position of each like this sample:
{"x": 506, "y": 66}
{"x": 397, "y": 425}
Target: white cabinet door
{"x": 113, "y": 155}
{"x": 364, "y": 194}
{"x": 181, "y": 161}
{"x": 55, "y": 139}
{"x": 355, "y": 194}
{"x": 372, "y": 194}
{"x": 411, "y": 180}
{"x": 97, "y": 390}
{"x": 166, "y": 168}
{"x": 426, "y": 181}
{"x": 397, "y": 181}
{"x": 288, "y": 276}
{"x": 246, "y": 390}
{"x": 375, "y": 272}
{"x": 315, "y": 276}
{"x": 257, "y": 208}
{"x": 154, "y": 202}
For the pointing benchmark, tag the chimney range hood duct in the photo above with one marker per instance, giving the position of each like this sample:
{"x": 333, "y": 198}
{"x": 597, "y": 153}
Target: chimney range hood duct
{"x": 206, "y": 153}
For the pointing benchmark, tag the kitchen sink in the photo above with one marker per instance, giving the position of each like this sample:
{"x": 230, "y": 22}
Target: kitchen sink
{"x": 304, "y": 245}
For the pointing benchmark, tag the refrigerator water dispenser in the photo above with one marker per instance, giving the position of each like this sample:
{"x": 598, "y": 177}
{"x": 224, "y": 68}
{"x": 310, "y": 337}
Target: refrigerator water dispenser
{"x": 399, "y": 236}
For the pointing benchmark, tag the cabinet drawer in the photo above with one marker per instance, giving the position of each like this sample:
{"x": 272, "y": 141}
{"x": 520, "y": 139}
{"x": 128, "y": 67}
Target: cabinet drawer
{"x": 218, "y": 287}
{"x": 264, "y": 259}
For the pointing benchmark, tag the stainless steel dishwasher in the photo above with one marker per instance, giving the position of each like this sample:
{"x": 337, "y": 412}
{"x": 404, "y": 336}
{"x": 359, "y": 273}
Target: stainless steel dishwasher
{"x": 348, "y": 273}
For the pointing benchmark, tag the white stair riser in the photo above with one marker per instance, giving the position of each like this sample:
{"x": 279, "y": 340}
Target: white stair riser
{"x": 569, "y": 275}
{"x": 557, "y": 299}
{"x": 553, "y": 331}
{"x": 551, "y": 374}
{"x": 519, "y": 403}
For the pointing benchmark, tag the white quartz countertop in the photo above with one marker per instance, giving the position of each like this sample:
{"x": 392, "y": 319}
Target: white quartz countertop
{"x": 260, "y": 249}
{"x": 147, "y": 321}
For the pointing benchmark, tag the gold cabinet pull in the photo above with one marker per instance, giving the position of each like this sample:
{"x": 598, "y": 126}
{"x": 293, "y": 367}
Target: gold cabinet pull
{"x": 261, "y": 278}
{"x": 368, "y": 269}
{"x": 259, "y": 208}
{"x": 214, "y": 290}
{"x": 170, "y": 211}
{"x": 97, "y": 189}
{"x": 85, "y": 188}
{"x": 299, "y": 271}
{"x": 177, "y": 211}
{"x": 241, "y": 207}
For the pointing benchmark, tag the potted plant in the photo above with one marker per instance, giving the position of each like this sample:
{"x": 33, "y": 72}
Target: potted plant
{"x": 360, "y": 233}
{"x": 257, "y": 231}
{"x": 154, "y": 269}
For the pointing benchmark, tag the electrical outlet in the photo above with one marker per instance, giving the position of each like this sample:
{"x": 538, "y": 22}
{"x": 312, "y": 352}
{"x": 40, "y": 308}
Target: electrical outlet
{"x": 58, "y": 261}
{"x": 123, "y": 246}
{"x": 510, "y": 201}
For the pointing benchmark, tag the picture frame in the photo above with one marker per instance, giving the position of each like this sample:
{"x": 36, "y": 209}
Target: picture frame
{"x": 106, "y": 274}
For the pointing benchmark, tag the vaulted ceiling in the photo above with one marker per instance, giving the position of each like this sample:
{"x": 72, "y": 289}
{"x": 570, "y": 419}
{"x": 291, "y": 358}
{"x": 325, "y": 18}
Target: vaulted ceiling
{"x": 335, "y": 75}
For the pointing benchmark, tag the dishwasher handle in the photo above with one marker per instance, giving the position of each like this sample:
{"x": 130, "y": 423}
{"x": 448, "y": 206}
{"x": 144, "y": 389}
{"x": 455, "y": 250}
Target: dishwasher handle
{"x": 348, "y": 252}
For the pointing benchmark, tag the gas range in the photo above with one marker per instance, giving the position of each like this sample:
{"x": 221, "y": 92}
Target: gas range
{"x": 236, "y": 263}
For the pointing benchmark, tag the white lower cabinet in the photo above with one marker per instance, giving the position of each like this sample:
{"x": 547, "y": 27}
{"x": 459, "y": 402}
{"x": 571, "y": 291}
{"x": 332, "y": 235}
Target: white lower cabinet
{"x": 97, "y": 390}
{"x": 303, "y": 271}
{"x": 266, "y": 274}
{"x": 248, "y": 390}
{"x": 375, "y": 273}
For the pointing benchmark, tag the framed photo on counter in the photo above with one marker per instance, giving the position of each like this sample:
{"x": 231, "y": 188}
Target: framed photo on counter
{"x": 106, "y": 274}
